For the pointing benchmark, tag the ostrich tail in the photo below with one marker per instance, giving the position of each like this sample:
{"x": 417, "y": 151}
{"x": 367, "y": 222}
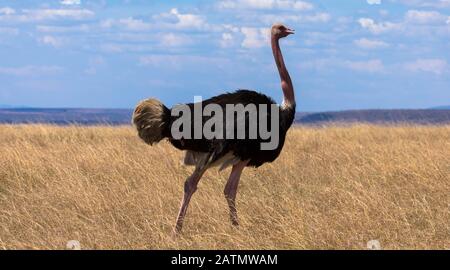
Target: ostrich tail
{"x": 151, "y": 119}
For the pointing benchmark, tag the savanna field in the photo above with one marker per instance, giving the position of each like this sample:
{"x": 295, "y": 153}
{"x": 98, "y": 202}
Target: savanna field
{"x": 332, "y": 188}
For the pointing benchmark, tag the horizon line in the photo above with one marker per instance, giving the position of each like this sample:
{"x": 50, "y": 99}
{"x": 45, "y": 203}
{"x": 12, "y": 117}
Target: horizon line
{"x": 7, "y": 107}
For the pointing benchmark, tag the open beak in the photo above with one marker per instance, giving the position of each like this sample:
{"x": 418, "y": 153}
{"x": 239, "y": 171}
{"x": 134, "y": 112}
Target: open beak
{"x": 290, "y": 31}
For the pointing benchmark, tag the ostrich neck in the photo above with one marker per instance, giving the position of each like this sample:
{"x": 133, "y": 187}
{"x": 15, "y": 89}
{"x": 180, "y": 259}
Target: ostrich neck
{"x": 286, "y": 82}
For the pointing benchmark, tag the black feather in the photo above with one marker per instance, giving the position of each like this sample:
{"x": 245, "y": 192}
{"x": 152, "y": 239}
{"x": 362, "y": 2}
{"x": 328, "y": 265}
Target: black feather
{"x": 245, "y": 149}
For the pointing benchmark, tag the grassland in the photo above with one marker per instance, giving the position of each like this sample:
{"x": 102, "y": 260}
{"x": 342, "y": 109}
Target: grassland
{"x": 332, "y": 188}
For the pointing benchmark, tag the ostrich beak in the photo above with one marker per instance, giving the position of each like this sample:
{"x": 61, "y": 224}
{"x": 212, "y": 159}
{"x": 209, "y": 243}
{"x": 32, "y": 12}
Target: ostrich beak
{"x": 290, "y": 31}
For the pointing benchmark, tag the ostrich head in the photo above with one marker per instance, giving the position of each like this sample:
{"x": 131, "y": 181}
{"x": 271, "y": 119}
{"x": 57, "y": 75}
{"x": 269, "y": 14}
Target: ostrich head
{"x": 280, "y": 31}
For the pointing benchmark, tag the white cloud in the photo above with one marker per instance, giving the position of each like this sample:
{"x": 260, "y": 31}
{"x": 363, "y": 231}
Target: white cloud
{"x": 301, "y": 5}
{"x": 121, "y": 47}
{"x": 51, "y": 14}
{"x": 424, "y": 17}
{"x": 227, "y": 40}
{"x": 231, "y": 28}
{"x": 187, "y": 20}
{"x": 30, "y": 70}
{"x": 374, "y": 2}
{"x": 418, "y": 23}
{"x": 56, "y": 42}
{"x": 175, "y": 40}
{"x": 441, "y": 3}
{"x": 436, "y": 66}
{"x": 172, "y": 20}
{"x": 62, "y": 29}
{"x": 371, "y": 66}
{"x": 322, "y": 64}
{"x": 71, "y": 2}
{"x": 134, "y": 24}
{"x": 131, "y": 37}
{"x": 320, "y": 17}
{"x": 438, "y": 4}
{"x": 7, "y": 11}
{"x": 32, "y": 15}
{"x": 178, "y": 20}
{"x": 377, "y": 28}
{"x": 370, "y": 44}
{"x": 258, "y": 4}
{"x": 227, "y": 4}
{"x": 426, "y": 3}
{"x": 255, "y": 37}
{"x": 266, "y": 4}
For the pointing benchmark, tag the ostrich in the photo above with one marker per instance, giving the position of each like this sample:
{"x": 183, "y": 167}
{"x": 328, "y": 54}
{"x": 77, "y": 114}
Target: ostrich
{"x": 153, "y": 122}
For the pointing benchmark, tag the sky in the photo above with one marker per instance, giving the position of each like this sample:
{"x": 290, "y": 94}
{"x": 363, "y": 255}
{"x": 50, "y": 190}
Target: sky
{"x": 352, "y": 54}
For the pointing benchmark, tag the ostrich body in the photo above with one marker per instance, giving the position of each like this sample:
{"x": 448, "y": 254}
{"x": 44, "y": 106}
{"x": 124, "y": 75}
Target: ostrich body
{"x": 154, "y": 121}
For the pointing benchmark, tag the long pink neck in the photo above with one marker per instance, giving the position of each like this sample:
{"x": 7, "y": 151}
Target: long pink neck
{"x": 286, "y": 82}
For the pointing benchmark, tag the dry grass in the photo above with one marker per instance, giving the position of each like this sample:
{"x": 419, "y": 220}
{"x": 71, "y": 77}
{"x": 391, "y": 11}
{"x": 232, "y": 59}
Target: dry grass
{"x": 332, "y": 188}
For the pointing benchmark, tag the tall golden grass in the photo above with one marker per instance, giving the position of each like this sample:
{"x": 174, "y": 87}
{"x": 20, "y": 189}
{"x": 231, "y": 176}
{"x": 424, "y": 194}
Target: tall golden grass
{"x": 331, "y": 188}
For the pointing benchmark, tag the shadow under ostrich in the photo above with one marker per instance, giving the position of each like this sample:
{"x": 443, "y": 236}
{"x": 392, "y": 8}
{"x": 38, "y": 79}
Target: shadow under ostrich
{"x": 153, "y": 122}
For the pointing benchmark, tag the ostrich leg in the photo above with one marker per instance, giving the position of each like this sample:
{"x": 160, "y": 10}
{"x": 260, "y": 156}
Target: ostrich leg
{"x": 190, "y": 186}
{"x": 231, "y": 190}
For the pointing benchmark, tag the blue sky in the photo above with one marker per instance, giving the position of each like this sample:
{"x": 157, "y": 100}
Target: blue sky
{"x": 348, "y": 54}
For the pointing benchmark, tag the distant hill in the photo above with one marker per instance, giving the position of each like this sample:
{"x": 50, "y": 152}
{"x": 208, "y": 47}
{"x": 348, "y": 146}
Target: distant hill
{"x": 123, "y": 116}
{"x": 377, "y": 117}
{"x": 441, "y": 108}
{"x": 66, "y": 116}
{"x": 7, "y": 106}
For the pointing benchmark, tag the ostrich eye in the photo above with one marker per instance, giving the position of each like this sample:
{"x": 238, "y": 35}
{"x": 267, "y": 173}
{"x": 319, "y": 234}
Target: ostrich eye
{"x": 282, "y": 28}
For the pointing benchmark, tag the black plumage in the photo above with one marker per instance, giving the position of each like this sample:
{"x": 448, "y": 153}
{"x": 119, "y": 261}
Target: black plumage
{"x": 244, "y": 149}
